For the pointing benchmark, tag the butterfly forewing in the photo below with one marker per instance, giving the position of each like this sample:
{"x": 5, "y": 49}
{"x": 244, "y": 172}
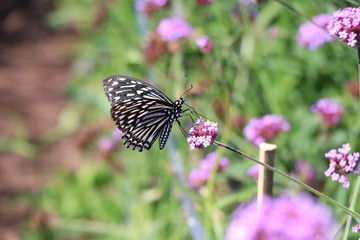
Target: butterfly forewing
{"x": 141, "y": 111}
{"x": 119, "y": 89}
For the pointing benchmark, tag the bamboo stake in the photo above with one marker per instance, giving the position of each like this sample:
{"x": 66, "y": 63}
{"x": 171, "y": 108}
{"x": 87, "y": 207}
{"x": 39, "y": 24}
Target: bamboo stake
{"x": 265, "y": 177}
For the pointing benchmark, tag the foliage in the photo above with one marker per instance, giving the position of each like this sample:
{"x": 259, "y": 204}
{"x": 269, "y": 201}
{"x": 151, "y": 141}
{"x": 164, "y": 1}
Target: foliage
{"x": 249, "y": 73}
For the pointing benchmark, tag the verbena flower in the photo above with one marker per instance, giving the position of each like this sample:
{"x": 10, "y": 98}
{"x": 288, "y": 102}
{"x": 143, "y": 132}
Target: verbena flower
{"x": 199, "y": 176}
{"x": 329, "y": 109}
{"x": 294, "y": 218}
{"x": 117, "y": 134}
{"x": 253, "y": 171}
{"x": 305, "y": 172}
{"x": 356, "y": 228}
{"x": 150, "y": 6}
{"x": 345, "y": 24}
{"x": 107, "y": 143}
{"x": 173, "y": 28}
{"x": 204, "y": 44}
{"x": 259, "y": 130}
{"x": 341, "y": 164}
{"x": 312, "y": 36}
{"x": 274, "y": 32}
{"x": 202, "y": 134}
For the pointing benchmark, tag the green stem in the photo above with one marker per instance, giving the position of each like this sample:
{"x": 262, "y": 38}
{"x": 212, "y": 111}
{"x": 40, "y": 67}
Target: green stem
{"x": 352, "y": 207}
{"x": 332, "y": 201}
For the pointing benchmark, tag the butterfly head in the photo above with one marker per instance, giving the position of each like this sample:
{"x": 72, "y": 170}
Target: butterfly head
{"x": 180, "y": 102}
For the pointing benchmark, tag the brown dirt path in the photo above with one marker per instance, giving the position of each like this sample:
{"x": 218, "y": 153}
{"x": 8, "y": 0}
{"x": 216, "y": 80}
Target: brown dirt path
{"x": 34, "y": 68}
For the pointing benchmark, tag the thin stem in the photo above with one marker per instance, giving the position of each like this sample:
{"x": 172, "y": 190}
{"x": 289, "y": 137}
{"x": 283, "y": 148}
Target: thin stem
{"x": 347, "y": 210}
{"x": 352, "y": 207}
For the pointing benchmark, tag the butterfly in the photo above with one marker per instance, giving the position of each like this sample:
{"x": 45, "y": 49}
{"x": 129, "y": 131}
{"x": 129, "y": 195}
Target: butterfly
{"x": 142, "y": 112}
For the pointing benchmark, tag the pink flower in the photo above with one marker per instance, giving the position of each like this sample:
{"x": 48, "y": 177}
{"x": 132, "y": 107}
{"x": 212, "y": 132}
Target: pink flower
{"x": 312, "y": 36}
{"x": 117, "y": 134}
{"x": 356, "y": 228}
{"x": 345, "y": 24}
{"x": 341, "y": 164}
{"x": 204, "y": 44}
{"x": 173, "y": 28}
{"x": 253, "y": 171}
{"x": 295, "y": 218}
{"x": 329, "y": 109}
{"x": 305, "y": 172}
{"x": 199, "y": 176}
{"x": 143, "y": 5}
{"x": 107, "y": 143}
{"x": 259, "y": 130}
{"x": 202, "y": 134}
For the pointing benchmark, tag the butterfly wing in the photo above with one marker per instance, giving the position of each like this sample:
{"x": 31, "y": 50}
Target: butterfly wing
{"x": 121, "y": 89}
{"x": 141, "y": 111}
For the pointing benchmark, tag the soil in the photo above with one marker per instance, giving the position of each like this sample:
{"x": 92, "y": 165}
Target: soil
{"x": 34, "y": 68}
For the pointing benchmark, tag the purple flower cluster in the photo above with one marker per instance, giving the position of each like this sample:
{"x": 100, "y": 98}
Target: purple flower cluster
{"x": 345, "y": 24}
{"x": 173, "y": 28}
{"x": 312, "y": 36}
{"x": 341, "y": 164}
{"x": 142, "y": 5}
{"x": 305, "y": 172}
{"x": 109, "y": 143}
{"x": 296, "y": 218}
{"x": 204, "y": 44}
{"x": 259, "y": 130}
{"x": 356, "y": 228}
{"x": 253, "y": 171}
{"x": 199, "y": 176}
{"x": 329, "y": 109}
{"x": 202, "y": 134}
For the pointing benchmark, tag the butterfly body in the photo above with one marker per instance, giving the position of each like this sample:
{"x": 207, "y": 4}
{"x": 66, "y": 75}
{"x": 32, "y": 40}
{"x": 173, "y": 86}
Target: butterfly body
{"x": 142, "y": 112}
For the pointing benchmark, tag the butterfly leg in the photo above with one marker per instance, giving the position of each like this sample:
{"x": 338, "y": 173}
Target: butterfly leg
{"x": 182, "y": 129}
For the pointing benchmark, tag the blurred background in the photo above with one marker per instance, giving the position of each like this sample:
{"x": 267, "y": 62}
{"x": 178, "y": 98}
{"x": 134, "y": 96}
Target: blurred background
{"x": 64, "y": 173}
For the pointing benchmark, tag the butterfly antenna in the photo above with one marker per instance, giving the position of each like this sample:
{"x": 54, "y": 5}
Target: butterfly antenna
{"x": 188, "y": 90}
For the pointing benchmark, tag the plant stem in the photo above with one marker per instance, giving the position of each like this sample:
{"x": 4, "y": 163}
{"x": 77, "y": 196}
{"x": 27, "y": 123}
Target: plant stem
{"x": 352, "y": 207}
{"x": 332, "y": 201}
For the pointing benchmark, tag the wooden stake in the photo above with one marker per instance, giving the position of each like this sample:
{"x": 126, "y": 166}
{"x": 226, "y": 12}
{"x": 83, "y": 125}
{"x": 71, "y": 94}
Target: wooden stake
{"x": 265, "y": 177}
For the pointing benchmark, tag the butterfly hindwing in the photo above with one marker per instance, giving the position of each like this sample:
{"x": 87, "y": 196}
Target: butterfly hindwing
{"x": 141, "y": 111}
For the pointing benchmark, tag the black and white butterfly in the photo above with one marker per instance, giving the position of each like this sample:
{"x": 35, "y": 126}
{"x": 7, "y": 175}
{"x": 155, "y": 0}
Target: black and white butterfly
{"x": 141, "y": 111}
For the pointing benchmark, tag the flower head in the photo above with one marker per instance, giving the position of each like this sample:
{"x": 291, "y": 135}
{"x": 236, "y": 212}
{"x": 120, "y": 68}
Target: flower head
{"x": 312, "y": 36}
{"x": 107, "y": 143}
{"x": 341, "y": 164}
{"x": 329, "y": 109}
{"x": 150, "y": 6}
{"x": 305, "y": 172}
{"x": 202, "y": 134}
{"x": 296, "y": 218}
{"x": 253, "y": 171}
{"x": 345, "y": 24}
{"x": 117, "y": 134}
{"x": 259, "y": 130}
{"x": 356, "y": 228}
{"x": 173, "y": 28}
{"x": 201, "y": 174}
{"x": 204, "y": 44}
